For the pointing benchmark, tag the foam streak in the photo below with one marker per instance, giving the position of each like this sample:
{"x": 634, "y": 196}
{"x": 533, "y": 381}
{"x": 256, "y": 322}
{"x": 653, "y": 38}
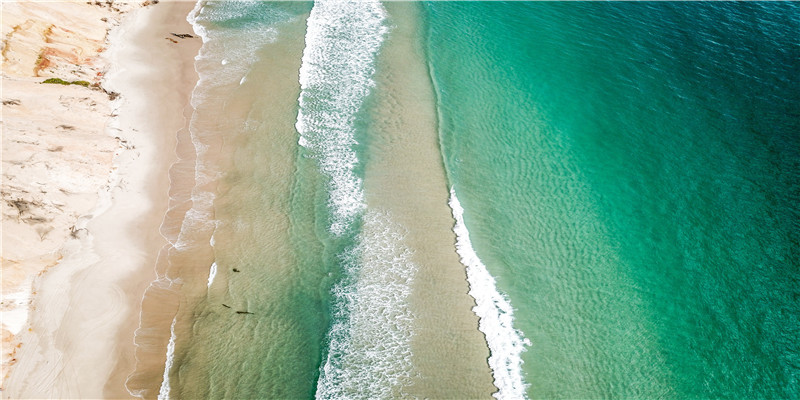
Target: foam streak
{"x": 496, "y": 315}
{"x": 369, "y": 350}
{"x": 342, "y": 41}
{"x": 212, "y": 273}
{"x": 369, "y": 354}
{"x": 163, "y": 393}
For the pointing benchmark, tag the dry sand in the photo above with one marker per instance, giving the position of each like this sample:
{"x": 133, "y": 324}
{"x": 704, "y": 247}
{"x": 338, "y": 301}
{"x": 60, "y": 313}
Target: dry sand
{"x": 84, "y": 185}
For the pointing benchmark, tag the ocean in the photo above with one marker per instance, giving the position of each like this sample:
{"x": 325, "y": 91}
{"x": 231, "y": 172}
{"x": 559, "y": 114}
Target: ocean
{"x": 467, "y": 199}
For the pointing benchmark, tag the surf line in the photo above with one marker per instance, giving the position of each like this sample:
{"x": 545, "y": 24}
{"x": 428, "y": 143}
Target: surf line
{"x": 342, "y": 42}
{"x": 495, "y": 314}
{"x": 163, "y": 392}
{"x": 369, "y": 340}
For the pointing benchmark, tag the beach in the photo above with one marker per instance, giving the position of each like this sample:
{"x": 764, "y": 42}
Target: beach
{"x": 85, "y": 186}
{"x": 367, "y": 199}
{"x": 148, "y": 256}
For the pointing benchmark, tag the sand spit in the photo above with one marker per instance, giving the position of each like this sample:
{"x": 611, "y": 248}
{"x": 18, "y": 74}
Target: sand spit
{"x": 406, "y": 177}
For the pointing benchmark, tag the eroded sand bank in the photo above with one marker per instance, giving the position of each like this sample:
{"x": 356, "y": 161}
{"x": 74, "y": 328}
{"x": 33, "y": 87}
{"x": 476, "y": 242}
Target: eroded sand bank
{"x": 85, "y": 185}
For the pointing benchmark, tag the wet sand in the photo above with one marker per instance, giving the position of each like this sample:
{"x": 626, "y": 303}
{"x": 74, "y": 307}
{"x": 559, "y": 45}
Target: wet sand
{"x": 251, "y": 157}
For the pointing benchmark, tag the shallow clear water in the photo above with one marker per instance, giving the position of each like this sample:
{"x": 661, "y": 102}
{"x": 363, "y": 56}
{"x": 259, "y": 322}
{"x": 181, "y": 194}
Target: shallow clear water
{"x": 624, "y": 176}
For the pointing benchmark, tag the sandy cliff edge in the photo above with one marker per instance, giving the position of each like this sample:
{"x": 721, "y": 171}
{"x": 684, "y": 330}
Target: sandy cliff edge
{"x": 84, "y": 186}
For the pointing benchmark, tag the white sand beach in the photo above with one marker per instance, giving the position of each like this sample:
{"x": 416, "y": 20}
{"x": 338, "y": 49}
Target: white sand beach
{"x": 85, "y": 185}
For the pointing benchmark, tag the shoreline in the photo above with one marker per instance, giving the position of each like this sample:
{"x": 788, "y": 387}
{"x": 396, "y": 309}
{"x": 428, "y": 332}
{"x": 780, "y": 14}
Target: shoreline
{"x": 130, "y": 251}
{"x": 165, "y": 72}
{"x": 79, "y": 341}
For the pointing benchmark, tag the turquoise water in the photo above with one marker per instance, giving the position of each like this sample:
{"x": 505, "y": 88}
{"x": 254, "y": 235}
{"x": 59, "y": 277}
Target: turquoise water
{"x": 625, "y": 189}
{"x": 257, "y": 330}
{"x": 306, "y": 296}
{"x": 629, "y": 174}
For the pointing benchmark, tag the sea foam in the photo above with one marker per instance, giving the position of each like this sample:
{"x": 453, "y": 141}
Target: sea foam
{"x": 496, "y": 315}
{"x": 163, "y": 392}
{"x": 342, "y": 40}
{"x": 369, "y": 342}
{"x": 212, "y": 273}
{"x": 369, "y": 352}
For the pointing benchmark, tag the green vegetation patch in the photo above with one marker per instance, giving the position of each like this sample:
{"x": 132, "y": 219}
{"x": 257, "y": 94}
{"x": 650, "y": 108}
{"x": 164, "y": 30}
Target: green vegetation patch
{"x": 60, "y": 81}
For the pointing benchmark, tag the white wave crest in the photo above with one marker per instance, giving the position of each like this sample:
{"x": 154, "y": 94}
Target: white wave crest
{"x": 342, "y": 41}
{"x": 496, "y": 315}
{"x": 163, "y": 392}
{"x": 369, "y": 353}
{"x": 212, "y": 273}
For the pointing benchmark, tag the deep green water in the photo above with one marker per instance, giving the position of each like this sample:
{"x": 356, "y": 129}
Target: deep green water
{"x": 629, "y": 174}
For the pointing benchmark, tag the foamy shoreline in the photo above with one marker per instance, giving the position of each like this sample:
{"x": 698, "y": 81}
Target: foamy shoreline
{"x": 99, "y": 168}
